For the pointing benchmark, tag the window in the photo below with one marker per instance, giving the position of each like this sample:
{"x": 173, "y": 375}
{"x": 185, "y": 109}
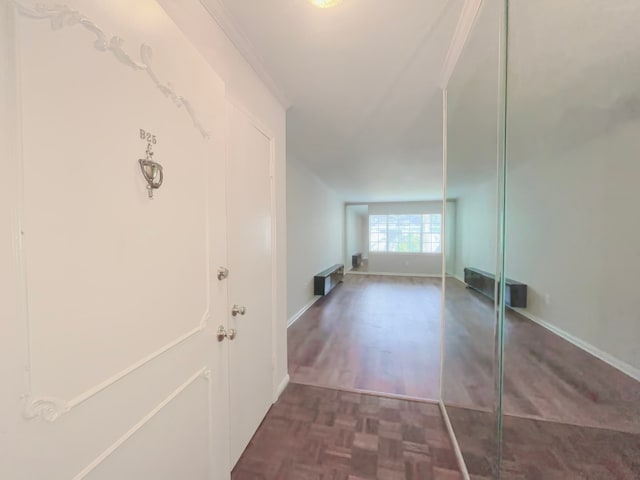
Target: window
{"x": 432, "y": 233}
{"x": 405, "y": 233}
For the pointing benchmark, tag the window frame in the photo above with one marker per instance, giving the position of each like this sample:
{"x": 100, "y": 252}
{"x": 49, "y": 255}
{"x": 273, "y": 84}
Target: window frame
{"x": 386, "y": 240}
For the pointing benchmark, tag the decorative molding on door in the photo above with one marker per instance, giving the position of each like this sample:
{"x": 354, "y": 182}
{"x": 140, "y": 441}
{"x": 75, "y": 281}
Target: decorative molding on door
{"x": 221, "y": 16}
{"x": 204, "y": 373}
{"x": 467, "y": 20}
{"x": 61, "y": 16}
{"x": 48, "y": 407}
{"x": 51, "y": 408}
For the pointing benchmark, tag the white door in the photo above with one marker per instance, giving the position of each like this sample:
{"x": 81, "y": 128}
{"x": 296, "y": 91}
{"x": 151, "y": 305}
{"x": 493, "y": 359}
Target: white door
{"x": 110, "y": 365}
{"x": 250, "y": 280}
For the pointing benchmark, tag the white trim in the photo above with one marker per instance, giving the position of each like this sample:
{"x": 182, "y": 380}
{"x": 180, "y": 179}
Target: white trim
{"x": 221, "y": 16}
{"x": 467, "y": 20}
{"x": 454, "y": 441}
{"x": 390, "y": 274}
{"x": 281, "y": 386}
{"x": 301, "y": 312}
{"x": 443, "y": 273}
{"x": 204, "y": 372}
{"x": 51, "y": 408}
{"x": 587, "y": 347}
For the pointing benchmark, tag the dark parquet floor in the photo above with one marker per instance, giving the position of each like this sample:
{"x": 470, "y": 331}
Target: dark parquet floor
{"x": 541, "y": 450}
{"x": 314, "y": 433}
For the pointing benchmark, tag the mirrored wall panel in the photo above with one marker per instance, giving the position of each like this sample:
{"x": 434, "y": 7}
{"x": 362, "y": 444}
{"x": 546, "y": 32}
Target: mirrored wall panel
{"x": 572, "y": 352}
{"x": 469, "y": 383}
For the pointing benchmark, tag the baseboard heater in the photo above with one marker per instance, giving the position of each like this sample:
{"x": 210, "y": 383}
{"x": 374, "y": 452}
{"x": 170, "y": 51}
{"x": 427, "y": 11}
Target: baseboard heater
{"x": 356, "y": 260}
{"x": 326, "y": 280}
{"x": 484, "y": 282}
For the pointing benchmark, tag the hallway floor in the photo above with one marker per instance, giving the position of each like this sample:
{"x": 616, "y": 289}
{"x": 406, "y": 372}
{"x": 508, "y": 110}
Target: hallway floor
{"x": 371, "y": 333}
{"x": 315, "y": 433}
{"x": 382, "y": 334}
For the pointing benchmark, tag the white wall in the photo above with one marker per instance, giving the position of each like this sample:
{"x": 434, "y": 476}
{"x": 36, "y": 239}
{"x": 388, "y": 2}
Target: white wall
{"x": 405, "y": 263}
{"x": 476, "y": 224}
{"x": 573, "y": 237}
{"x": 570, "y": 237}
{"x": 574, "y": 138}
{"x": 315, "y": 220}
{"x": 246, "y": 90}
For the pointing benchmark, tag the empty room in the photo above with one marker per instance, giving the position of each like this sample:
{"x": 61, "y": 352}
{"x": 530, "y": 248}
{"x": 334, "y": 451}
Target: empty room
{"x": 319, "y": 239}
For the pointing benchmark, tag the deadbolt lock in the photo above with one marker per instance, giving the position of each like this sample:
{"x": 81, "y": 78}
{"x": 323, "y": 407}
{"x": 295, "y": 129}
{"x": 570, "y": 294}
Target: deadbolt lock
{"x": 238, "y": 310}
{"x": 223, "y": 333}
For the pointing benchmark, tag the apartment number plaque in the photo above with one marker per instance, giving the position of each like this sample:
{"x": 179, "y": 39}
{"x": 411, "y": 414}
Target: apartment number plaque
{"x": 148, "y": 136}
{"x": 151, "y": 170}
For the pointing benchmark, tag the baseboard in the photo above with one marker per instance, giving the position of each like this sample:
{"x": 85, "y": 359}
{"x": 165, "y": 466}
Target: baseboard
{"x": 587, "y": 347}
{"x": 454, "y": 441}
{"x": 295, "y": 317}
{"x": 387, "y": 274}
{"x": 283, "y": 384}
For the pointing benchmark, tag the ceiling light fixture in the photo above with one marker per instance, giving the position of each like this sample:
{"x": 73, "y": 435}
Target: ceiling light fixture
{"x": 325, "y": 3}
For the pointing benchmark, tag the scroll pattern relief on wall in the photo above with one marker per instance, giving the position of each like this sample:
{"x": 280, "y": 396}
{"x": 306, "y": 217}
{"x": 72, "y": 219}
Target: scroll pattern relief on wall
{"x": 204, "y": 373}
{"x": 61, "y": 16}
{"x": 51, "y": 408}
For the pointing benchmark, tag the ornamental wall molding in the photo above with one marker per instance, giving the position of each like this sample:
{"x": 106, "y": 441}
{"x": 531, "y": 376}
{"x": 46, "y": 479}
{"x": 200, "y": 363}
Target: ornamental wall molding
{"x": 61, "y": 16}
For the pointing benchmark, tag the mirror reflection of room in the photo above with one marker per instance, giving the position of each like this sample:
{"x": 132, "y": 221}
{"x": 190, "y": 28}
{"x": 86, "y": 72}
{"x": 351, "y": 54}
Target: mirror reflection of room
{"x": 563, "y": 364}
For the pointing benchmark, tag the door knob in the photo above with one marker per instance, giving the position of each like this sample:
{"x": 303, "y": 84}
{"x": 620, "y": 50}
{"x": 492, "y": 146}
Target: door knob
{"x": 223, "y": 333}
{"x": 238, "y": 310}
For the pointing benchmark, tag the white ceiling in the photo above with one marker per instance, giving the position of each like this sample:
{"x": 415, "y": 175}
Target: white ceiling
{"x": 573, "y": 78}
{"x": 362, "y": 79}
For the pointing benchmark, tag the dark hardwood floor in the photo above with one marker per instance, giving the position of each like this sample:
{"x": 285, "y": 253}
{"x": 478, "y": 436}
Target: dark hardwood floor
{"x": 373, "y": 333}
{"x": 568, "y": 414}
{"x": 314, "y": 433}
{"x": 545, "y": 377}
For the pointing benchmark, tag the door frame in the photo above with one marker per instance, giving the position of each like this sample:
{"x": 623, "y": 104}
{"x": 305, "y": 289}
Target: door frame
{"x": 262, "y": 128}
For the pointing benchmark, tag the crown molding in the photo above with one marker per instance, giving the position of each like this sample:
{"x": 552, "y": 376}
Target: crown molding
{"x": 223, "y": 18}
{"x": 467, "y": 20}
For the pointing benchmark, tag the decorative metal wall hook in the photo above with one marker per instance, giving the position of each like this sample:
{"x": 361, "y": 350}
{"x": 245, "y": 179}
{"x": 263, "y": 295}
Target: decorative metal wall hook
{"x": 151, "y": 171}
